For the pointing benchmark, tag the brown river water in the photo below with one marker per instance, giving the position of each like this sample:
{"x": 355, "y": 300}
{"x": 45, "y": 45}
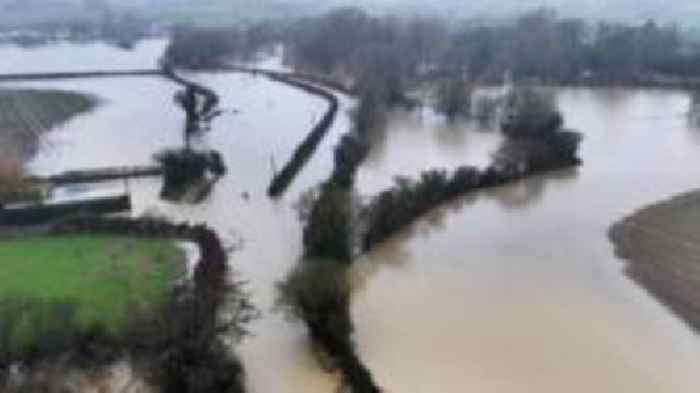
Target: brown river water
{"x": 510, "y": 290}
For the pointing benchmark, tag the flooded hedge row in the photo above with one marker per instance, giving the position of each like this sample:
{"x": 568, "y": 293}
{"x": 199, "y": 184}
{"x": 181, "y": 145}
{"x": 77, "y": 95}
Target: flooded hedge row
{"x": 519, "y": 157}
{"x": 318, "y": 292}
{"x": 308, "y": 146}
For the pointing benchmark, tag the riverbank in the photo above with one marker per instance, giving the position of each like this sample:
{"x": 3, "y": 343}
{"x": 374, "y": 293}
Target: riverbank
{"x": 661, "y": 245}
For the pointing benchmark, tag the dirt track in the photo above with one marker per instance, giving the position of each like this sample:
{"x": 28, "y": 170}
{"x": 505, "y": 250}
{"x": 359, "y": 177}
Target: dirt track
{"x": 661, "y": 243}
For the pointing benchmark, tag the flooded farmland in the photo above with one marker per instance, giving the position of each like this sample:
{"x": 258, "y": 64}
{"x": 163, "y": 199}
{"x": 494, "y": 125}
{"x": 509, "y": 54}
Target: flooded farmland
{"x": 513, "y": 289}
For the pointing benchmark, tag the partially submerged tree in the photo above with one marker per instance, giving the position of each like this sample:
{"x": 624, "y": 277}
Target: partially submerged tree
{"x": 329, "y": 229}
{"x": 530, "y": 110}
{"x": 317, "y": 293}
{"x": 209, "y": 47}
{"x": 188, "y": 170}
{"x": 694, "y": 111}
{"x": 486, "y": 109}
{"x": 536, "y": 140}
{"x": 454, "y": 98}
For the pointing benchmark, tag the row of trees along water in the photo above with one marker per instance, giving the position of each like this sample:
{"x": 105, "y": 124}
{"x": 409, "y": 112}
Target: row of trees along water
{"x": 537, "y": 44}
{"x": 318, "y": 290}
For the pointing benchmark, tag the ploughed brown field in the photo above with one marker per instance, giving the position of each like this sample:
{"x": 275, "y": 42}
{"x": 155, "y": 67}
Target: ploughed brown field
{"x": 662, "y": 245}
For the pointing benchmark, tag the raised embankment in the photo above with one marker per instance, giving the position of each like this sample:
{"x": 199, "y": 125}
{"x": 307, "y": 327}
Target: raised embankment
{"x": 97, "y": 175}
{"x": 42, "y": 214}
{"x": 77, "y": 75}
{"x": 314, "y": 85}
{"x": 661, "y": 244}
{"x": 308, "y": 146}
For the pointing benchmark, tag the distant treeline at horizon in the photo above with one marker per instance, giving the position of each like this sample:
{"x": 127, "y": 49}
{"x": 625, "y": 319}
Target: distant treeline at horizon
{"x": 222, "y": 13}
{"x": 538, "y": 44}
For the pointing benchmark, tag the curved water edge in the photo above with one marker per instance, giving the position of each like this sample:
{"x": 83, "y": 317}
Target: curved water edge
{"x": 660, "y": 244}
{"x": 308, "y": 146}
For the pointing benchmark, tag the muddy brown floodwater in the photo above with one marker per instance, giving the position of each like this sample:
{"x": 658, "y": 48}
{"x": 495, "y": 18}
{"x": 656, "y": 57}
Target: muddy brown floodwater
{"x": 517, "y": 289}
{"x": 511, "y": 290}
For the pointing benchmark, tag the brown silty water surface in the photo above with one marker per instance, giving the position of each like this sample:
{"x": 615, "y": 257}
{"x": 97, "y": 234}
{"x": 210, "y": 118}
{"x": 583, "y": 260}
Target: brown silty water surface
{"x": 514, "y": 289}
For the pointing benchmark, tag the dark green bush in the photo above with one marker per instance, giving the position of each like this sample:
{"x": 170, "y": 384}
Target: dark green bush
{"x": 183, "y": 168}
{"x": 327, "y": 233}
{"x": 318, "y": 292}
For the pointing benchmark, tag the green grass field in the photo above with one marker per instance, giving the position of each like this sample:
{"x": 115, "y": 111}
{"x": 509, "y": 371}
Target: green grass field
{"x": 104, "y": 278}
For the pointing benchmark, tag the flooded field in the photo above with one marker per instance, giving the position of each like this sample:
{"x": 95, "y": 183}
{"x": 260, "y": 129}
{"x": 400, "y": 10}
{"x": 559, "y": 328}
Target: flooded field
{"x": 510, "y": 290}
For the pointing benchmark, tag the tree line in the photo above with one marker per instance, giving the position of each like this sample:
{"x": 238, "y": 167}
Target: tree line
{"x": 317, "y": 292}
{"x": 538, "y": 44}
{"x": 198, "y": 47}
{"x": 392, "y": 57}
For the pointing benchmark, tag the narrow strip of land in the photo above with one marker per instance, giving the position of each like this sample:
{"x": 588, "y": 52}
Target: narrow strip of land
{"x": 77, "y": 75}
{"x": 308, "y": 146}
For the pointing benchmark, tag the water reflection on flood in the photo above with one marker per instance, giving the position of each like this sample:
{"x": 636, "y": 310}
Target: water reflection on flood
{"x": 516, "y": 289}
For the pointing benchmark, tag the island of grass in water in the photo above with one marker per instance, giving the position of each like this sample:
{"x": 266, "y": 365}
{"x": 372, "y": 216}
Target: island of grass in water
{"x": 79, "y": 282}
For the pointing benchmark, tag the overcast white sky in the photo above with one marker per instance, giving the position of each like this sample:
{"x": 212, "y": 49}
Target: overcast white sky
{"x": 687, "y": 11}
